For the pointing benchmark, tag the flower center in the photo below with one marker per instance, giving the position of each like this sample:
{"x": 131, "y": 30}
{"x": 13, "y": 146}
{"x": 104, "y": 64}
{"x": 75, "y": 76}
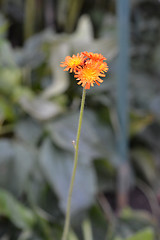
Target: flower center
{"x": 76, "y": 62}
{"x": 89, "y": 74}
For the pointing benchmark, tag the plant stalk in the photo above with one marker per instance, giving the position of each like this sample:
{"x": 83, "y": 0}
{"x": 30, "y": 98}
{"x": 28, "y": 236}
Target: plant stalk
{"x": 67, "y": 219}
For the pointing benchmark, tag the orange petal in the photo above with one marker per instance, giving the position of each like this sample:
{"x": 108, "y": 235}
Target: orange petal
{"x": 87, "y": 86}
{"x": 97, "y": 83}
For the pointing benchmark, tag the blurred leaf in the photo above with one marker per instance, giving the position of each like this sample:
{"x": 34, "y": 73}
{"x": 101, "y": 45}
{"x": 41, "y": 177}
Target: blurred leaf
{"x": 63, "y": 132}
{"x": 128, "y": 214}
{"x": 33, "y": 54}
{"x": 10, "y": 78}
{"x": 28, "y": 130}
{"x": 84, "y": 31}
{"x": 57, "y": 167}
{"x": 72, "y": 236}
{"x": 60, "y": 79}
{"x": 106, "y": 174}
{"x": 21, "y": 216}
{"x": 96, "y": 140}
{"x": 131, "y": 221}
{"x": 25, "y": 235}
{"x": 118, "y": 238}
{"x": 20, "y": 92}
{"x": 17, "y": 161}
{"x": 6, "y": 150}
{"x": 138, "y": 122}
{"x": 146, "y": 234}
{"x": 7, "y": 55}
{"x": 145, "y": 162}
{"x": 6, "y": 110}
{"x": 98, "y": 222}
{"x": 6, "y": 163}
{"x": 40, "y": 108}
{"x": 23, "y": 164}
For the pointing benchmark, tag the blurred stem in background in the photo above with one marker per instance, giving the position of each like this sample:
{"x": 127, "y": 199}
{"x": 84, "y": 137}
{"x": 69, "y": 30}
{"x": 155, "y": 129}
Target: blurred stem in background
{"x": 123, "y": 13}
{"x": 74, "y": 9}
{"x": 68, "y": 211}
{"x": 30, "y": 15}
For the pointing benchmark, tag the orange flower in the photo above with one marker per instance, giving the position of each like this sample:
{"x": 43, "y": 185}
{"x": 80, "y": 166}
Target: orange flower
{"x": 94, "y": 56}
{"x": 88, "y": 68}
{"x": 103, "y": 67}
{"x": 90, "y": 74}
{"x": 73, "y": 63}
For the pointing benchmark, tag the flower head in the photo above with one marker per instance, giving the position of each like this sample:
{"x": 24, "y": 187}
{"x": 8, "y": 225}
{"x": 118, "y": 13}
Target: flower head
{"x": 73, "y": 63}
{"x": 94, "y": 56}
{"x": 90, "y": 74}
{"x": 88, "y": 68}
{"x": 103, "y": 67}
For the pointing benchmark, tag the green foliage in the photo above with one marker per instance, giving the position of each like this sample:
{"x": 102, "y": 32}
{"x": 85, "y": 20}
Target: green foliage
{"x": 20, "y": 215}
{"x": 39, "y": 107}
{"x": 147, "y": 234}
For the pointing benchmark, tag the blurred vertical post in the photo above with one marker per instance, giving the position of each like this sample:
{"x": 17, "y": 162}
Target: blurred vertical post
{"x": 123, "y": 22}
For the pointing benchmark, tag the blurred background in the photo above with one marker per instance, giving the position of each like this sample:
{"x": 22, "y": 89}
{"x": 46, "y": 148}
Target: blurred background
{"x": 117, "y": 187}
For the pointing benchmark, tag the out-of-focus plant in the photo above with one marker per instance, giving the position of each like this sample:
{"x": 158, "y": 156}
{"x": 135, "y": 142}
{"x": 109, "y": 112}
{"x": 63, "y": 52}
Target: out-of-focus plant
{"x": 38, "y": 118}
{"x": 36, "y": 91}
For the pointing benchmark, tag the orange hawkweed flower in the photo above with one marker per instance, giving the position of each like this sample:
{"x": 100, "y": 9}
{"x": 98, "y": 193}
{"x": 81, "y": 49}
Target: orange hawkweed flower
{"x": 73, "y": 63}
{"x": 88, "y": 68}
{"x": 94, "y": 56}
{"x": 103, "y": 67}
{"x": 90, "y": 74}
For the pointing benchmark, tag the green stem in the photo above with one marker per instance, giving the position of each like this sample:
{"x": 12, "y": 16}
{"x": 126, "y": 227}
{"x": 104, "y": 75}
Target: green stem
{"x": 67, "y": 219}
